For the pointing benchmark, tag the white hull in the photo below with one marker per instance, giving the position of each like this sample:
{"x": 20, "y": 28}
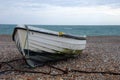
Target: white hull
{"x": 38, "y": 40}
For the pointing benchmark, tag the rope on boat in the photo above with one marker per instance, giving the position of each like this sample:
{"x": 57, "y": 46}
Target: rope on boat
{"x": 26, "y": 40}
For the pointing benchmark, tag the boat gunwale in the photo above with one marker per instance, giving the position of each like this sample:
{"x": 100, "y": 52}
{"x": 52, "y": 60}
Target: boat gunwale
{"x": 63, "y": 35}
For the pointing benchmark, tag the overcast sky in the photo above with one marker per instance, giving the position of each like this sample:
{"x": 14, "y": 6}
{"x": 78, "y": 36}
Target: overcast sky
{"x": 60, "y": 12}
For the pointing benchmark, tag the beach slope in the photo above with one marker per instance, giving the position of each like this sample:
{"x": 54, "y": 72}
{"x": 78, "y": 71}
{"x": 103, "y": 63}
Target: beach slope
{"x": 99, "y": 61}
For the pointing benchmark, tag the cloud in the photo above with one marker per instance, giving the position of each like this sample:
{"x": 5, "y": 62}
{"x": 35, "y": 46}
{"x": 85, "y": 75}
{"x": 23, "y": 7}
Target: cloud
{"x": 73, "y": 3}
{"x": 60, "y": 11}
{"x": 65, "y": 3}
{"x": 43, "y": 4}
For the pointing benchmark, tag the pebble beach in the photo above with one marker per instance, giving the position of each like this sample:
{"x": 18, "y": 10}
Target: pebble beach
{"x": 99, "y": 61}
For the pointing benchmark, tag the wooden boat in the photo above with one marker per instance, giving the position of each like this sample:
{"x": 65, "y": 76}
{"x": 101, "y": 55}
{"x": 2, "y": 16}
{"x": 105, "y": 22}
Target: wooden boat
{"x": 45, "y": 45}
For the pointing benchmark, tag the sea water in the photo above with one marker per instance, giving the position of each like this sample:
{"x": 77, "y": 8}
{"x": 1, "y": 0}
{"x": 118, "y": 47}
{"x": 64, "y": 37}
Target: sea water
{"x": 88, "y": 30}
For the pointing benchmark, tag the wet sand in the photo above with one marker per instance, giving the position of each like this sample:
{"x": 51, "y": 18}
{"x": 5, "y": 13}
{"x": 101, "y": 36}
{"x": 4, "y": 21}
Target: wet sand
{"x": 102, "y": 54}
